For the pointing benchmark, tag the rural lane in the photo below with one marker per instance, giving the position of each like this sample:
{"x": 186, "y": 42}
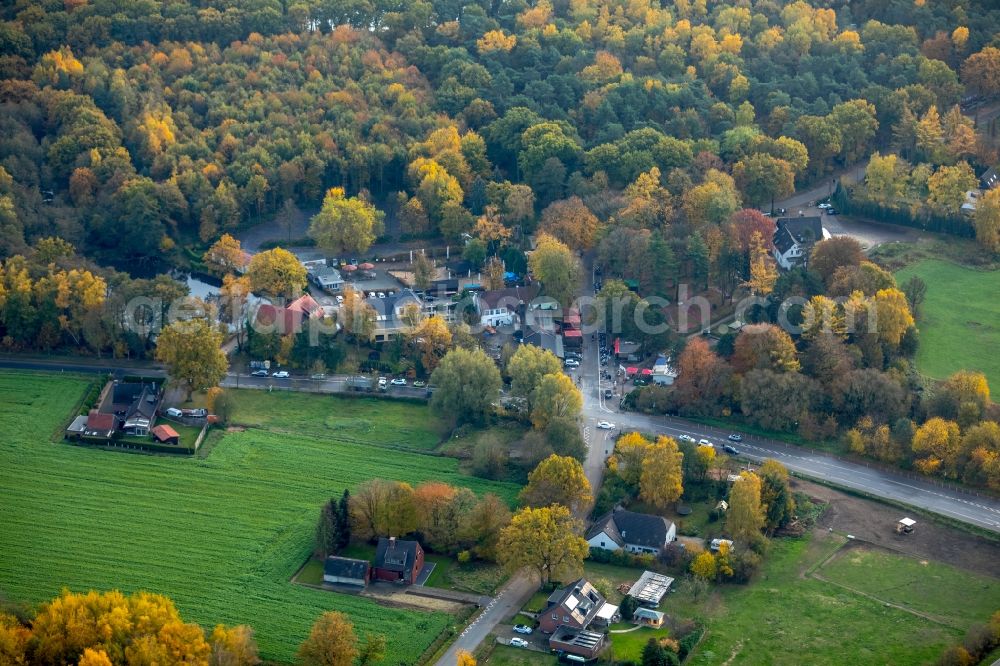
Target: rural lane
{"x": 509, "y": 600}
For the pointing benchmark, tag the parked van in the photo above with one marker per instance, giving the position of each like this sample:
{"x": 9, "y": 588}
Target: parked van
{"x": 174, "y": 413}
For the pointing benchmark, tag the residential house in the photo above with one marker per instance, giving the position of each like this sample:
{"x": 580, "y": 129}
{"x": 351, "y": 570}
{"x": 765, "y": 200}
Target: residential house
{"x": 543, "y": 314}
{"x": 95, "y": 426}
{"x": 546, "y": 340}
{"x": 389, "y": 312}
{"x": 632, "y": 532}
{"x": 650, "y": 589}
{"x": 794, "y": 238}
{"x": 141, "y": 413}
{"x": 504, "y": 307}
{"x": 346, "y": 571}
{"x": 398, "y": 561}
{"x": 576, "y": 606}
{"x": 164, "y": 434}
{"x": 572, "y": 335}
{"x": 326, "y": 278}
{"x": 586, "y": 644}
{"x": 289, "y": 319}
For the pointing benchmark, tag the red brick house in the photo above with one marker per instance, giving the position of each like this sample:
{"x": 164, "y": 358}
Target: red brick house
{"x": 576, "y": 606}
{"x": 398, "y": 561}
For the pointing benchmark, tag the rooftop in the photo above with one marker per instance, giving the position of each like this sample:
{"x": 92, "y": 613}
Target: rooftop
{"x": 650, "y": 588}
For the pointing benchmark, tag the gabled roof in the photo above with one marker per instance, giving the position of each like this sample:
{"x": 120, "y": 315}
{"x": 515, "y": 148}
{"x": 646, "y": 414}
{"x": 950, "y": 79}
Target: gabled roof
{"x": 164, "y": 432}
{"x": 990, "y": 179}
{"x": 580, "y": 599}
{"x": 395, "y": 554}
{"x": 545, "y": 340}
{"x": 345, "y": 567}
{"x": 509, "y": 298}
{"x": 797, "y": 230}
{"x": 97, "y": 421}
{"x": 627, "y": 527}
{"x": 144, "y": 406}
{"x": 305, "y": 304}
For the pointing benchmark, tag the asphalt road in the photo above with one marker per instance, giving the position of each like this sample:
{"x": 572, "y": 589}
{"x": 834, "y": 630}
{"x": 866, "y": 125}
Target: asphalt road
{"x": 509, "y": 600}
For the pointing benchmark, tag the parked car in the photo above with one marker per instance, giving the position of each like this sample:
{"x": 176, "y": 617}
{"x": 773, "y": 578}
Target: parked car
{"x": 608, "y": 393}
{"x": 735, "y": 437}
{"x": 281, "y": 374}
{"x": 522, "y": 629}
{"x": 605, "y": 425}
{"x": 824, "y": 206}
{"x": 832, "y": 211}
{"x": 571, "y": 363}
{"x": 198, "y": 413}
{"x": 731, "y": 450}
{"x": 340, "y": 299}
{"x": 382, "y": 381}
{"x": 518, "y": 642}
{"x": 381, "y": 294}
{"x": 686, "y": 438}
{"x": 398, "y": 381}
{"x": 419, "y": 384}
{"x": 173, "y": 412}
{"x": 259, "y": 373}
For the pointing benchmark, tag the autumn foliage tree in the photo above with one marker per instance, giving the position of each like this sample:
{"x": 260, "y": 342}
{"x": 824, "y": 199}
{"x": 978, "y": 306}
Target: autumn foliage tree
{"x": 345, "y": 224}
{"x": 331, "y": 642}
{"x": 661, "y": 478}
{"x": 191, "y": 351}
{"x": 545, "y": 539}
{"x": 276, "y": 273}
{"x": 570, "y": 221}
{"x": 557, "y": 480}
{"x": 745, "y": 517}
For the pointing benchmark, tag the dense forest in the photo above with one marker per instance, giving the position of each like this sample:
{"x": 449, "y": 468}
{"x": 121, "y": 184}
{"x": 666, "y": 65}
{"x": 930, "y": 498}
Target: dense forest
{"x": 138, "y": 131}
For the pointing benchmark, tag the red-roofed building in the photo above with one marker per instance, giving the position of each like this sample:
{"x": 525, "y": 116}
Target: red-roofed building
{"x": 100, "y": 425}
{"x": 289, "y": 319}
{"x": 165, "y": 434}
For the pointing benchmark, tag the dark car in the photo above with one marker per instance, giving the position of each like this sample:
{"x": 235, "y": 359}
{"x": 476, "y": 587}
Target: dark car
{"x": 730, "y": 449}
{"x": 608, "y": 394}
{"x": 832, "y": 211}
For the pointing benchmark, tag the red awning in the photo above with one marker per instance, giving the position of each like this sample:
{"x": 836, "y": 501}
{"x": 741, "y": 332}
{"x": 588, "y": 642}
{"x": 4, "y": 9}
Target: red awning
{"x": 631, "y": 371}
{"x": 572, "y": 333}
{"x": 616, "y": 346}
{"x": 647, "y": 371}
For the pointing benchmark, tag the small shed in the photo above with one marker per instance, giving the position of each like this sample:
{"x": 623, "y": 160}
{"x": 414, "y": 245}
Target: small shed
{"x": 905, "y": 525}
{"x": 77, "y": 427}
{"x": 164, "y": 434}
{"x": 346, "y": 571}
{"x": 647, "y": 617}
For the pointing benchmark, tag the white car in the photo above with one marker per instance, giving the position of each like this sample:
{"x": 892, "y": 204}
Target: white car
{"x": 705, "y": 442}
{"x": 340, "y": 299}
{"x": 571, "y": 363}
{"x": 522, "y": 629}
{"x": 824, "y": 206}
{"x": 281, "y": 374}
{"x": 518, "y": 642}
{"x": 398, "y": 381}
{"x": 381, "y": 294}
{"x": 605, "y": 425}
{"x": 686, "y": 438}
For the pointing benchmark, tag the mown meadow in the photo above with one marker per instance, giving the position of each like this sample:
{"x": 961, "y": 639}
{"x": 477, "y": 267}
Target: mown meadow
{"x": 221, "y": 535}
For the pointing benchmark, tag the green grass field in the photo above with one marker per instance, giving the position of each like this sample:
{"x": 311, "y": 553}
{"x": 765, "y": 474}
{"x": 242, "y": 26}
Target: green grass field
{"x": 960, "y": 319}
{"x": 628, "y": 646}
{"x": 953, "y": 596}
{"x": 221, "y": 535}
{"x": 786, "y": 617}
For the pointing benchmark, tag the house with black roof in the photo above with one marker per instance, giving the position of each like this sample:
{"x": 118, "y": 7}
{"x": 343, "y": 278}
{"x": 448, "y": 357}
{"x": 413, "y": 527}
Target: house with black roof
{"x": 576, "y": 606}
{"x": 398, "y": 561}
{"x": 346, "y": 571}
{"x": 632, "y": 532}
{"x": 794, "y": 238}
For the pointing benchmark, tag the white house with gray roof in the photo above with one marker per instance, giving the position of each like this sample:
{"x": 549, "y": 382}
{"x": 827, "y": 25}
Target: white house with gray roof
{"x": 631, "y": 532}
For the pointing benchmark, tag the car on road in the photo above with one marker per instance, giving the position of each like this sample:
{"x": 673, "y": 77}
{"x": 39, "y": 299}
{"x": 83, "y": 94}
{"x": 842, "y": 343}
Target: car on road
{"x": 735, "y": 437}
{"x": 398, "y": 381}
{"x": 281, "y": 374}
{"x": 704, "y": 442}
{"x": 608, "y": 394}
{"x": 605, "y": 425}
{"x": 824, "y": 205}
{"x": 572, "y": 363}
{"x": 419, "y": 384}
{"x": 518, "y": 642}
{"x": 317, "y": 375}
{"x": 832, "y": 211}
{"x": 522, "y": 629}
{"x": 686, "y": 438}
{"x": 259, "y": 373}
{"x": 731, "y": 450}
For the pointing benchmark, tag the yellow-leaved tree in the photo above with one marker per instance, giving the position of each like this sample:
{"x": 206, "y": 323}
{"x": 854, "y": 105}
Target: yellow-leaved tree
{"x": 557, "y": 480}
{"x": 661, "y": 479}
{"x": 192, "y": 352}
{"x": 745, "y": 516}
{"x": 547, "y": 540}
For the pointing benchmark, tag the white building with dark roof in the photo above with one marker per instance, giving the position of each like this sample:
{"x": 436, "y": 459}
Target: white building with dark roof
{"x": 631, "y": 532}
